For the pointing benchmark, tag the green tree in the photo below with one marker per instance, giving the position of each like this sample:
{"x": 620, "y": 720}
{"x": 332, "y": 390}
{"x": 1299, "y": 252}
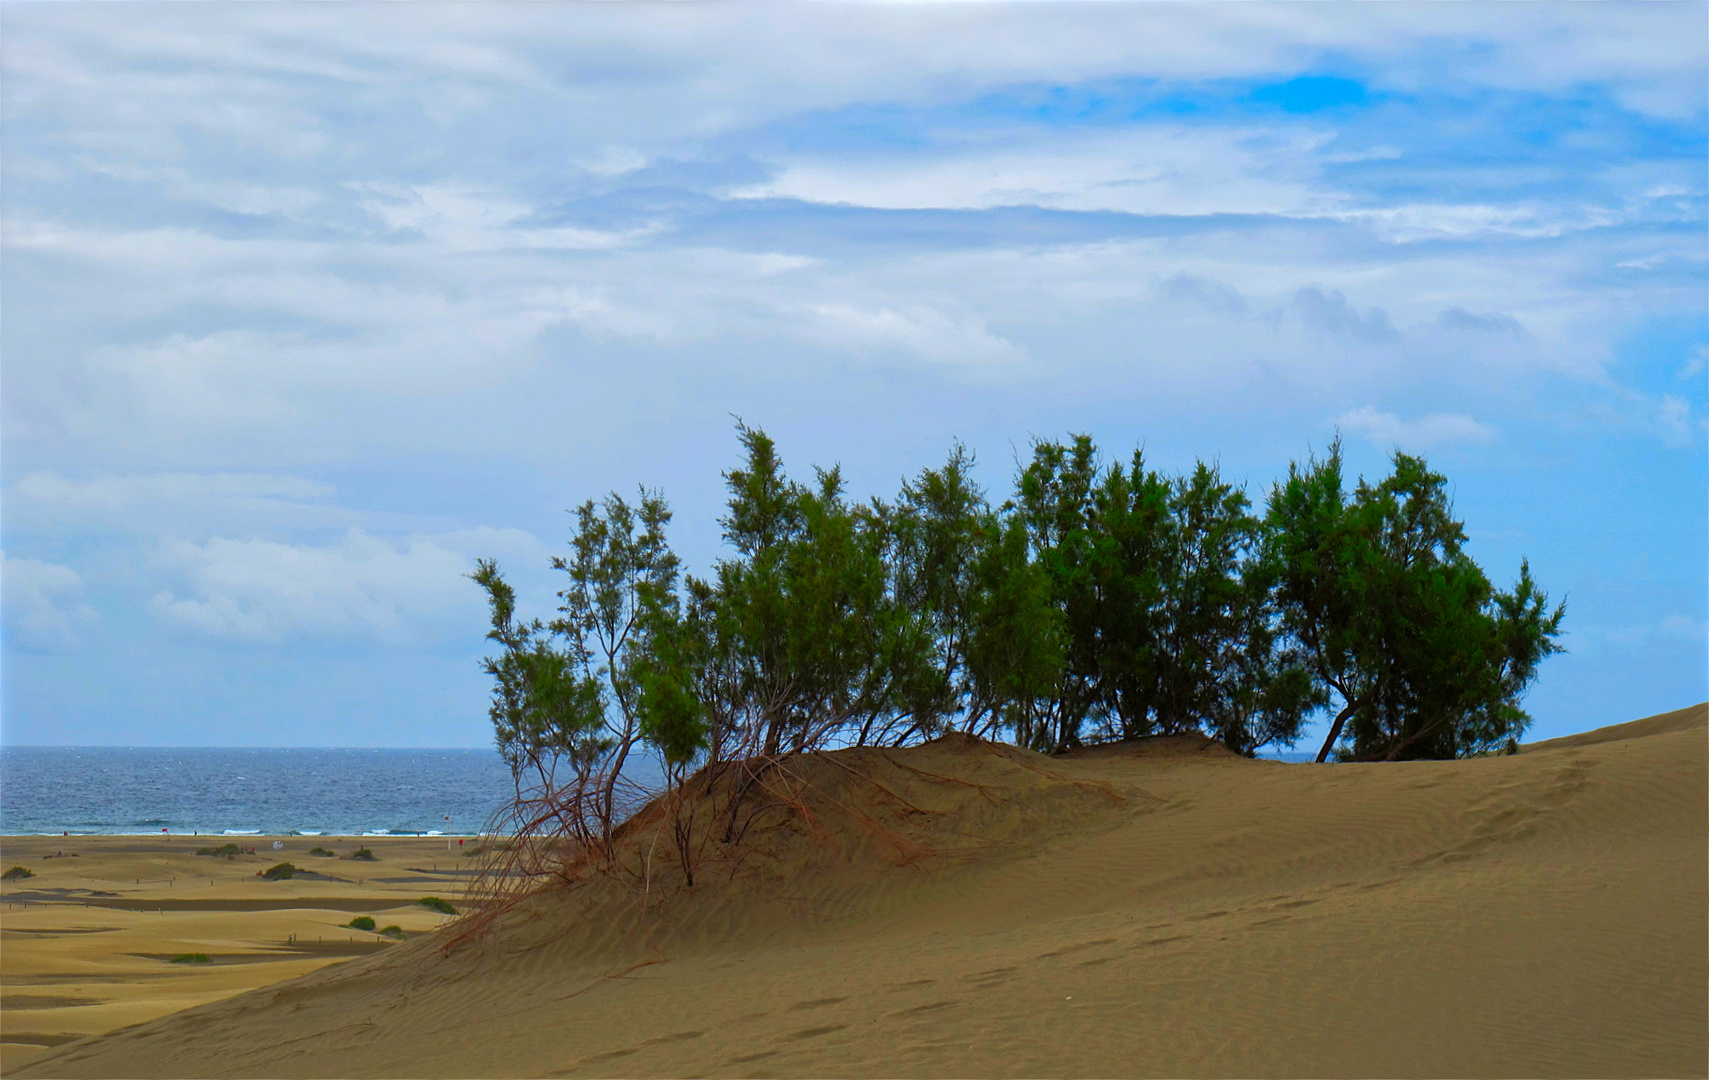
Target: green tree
{"x": 994, "y": 638}
{"x": 1394, "y": 620}
{"x": 620, "y": 606}
{"x": 1054, "y": 502}
{"x": 1014, "y": 650}
{"x": 805, "y": 613}
{"x": 582, "y": 691}
{"x": 547, "y": 710}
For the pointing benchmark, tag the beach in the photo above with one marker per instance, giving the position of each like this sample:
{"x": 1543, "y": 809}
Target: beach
{"x": 1157, "y": 908}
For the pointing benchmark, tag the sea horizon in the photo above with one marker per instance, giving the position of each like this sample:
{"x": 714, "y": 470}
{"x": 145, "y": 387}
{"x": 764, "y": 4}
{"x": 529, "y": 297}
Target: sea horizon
{"x": 249, "y": 791}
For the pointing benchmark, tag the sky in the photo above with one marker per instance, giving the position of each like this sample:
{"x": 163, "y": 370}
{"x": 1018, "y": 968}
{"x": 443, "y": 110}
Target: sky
{"x": 305, "y": 308}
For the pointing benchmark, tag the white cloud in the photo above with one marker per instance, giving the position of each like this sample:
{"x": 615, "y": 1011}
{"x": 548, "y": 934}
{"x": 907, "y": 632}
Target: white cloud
{"x": 264, "y": 590}
{"x": 113, "y": 493}
{"x": 1425, "y": 433}
{"x": 1151, "y": 169}
{"x": 44, "y": 602}
{"x": 1670, "y": 631}
{"x": 1682, "y": 626}
{"x": 177, "y": 502}
{"x": 921, "y": 331}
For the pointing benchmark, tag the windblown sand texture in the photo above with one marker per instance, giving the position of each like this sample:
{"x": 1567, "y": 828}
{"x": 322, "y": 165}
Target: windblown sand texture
{"x": 1153, "y": 908}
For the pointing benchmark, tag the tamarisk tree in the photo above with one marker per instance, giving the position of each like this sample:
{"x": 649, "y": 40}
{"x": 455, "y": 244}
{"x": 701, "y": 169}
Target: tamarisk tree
{"x": 994, "y": 632}
{"x": 582, "y": 690}
{"x": 1424, "y": 657}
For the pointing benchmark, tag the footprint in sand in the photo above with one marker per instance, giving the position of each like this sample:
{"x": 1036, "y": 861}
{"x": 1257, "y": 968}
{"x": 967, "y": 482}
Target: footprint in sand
{"x": 918, "y": 1009}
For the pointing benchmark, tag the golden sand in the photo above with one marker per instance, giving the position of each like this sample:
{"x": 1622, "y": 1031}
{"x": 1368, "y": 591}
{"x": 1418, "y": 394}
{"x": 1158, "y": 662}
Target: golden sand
{"x": 86, "y": 945}
{"x": 1157, "y": 908}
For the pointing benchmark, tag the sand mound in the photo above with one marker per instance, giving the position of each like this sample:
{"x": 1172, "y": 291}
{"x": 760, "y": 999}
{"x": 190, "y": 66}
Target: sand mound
{"x": 781, "y": 849}
{"x": 1157, "y": 908}
{"x": 1694, "y": 718}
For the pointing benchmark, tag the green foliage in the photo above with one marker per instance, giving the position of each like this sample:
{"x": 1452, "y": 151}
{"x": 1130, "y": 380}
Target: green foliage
{"x": 807, "y": 613}
{"x": 392, "y": 932}
{"x": 1167, "y": 622}
{"x": 992, "y": 630}
{"x": 361, "y": 922}
{"x": 282, "y": 872}
{"x": 362, "y": 854}
{"x": 1424, "y": 656}
{"x": 1105, "y": 600}
{"x": 17, "y": 873}
{"x": 324, "y": 853}
{"x": 578, "y": 693}
{"x": 442, "y": 906}
{"x": 224, "y": 851}
{"x": 190, "y": 958}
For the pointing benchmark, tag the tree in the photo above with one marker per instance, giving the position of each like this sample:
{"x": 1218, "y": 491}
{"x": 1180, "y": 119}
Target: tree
{"x": 1395, "y": 620}
{"x": 546, "y": 708}
{"x": 1014, "y": 639}
{"x": 994, "y": 636}
{"x": 1054, "y": 503}
{"x": 609, "y": 672}
{"x": 618, "y": 609}
{"x": 808, "y": 616}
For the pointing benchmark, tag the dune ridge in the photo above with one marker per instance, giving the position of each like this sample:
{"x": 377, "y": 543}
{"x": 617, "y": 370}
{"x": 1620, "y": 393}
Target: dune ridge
{"x": 1152, "y": 908}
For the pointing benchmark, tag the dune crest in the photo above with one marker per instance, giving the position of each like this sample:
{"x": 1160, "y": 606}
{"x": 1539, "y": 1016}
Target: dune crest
{"x": 1152, "y": 908}
{"x": 1692, "y": 718}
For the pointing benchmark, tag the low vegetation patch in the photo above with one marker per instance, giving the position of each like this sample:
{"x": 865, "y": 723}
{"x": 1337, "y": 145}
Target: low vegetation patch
{"x": 363, "y": 855}
{"x": 190, "y": 958}
{"x": 392, "y": 932}
{"x": 442, "y": 906}
{"x": 224, "y": 851}
{"x": 283, "y": 872}
{"x": 323, "y": 853}
{"x": 361, "y": 922}
{"x": 19, "y": 873}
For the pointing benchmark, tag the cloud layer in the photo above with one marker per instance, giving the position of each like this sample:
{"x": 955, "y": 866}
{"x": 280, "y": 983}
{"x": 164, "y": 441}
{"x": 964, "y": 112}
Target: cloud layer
{"x": 299, "y": 300}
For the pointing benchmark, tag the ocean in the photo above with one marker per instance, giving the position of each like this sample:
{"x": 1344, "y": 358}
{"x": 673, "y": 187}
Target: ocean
{"x": 342, "y": 792}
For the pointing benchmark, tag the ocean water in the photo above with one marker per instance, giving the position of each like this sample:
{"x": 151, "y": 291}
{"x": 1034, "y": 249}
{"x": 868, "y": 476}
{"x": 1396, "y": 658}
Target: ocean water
{"x": 114, "y": 790}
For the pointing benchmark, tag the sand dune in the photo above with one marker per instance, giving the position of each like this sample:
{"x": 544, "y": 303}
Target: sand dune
{"x": 1153, "y": 908}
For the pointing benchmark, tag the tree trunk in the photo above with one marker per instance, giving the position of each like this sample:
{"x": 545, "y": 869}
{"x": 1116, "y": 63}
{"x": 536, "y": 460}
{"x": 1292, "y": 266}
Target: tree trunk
{"x": 1335, "y": 730}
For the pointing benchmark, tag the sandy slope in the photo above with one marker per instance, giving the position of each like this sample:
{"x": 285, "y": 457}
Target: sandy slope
{"x": 1153, "y": 909}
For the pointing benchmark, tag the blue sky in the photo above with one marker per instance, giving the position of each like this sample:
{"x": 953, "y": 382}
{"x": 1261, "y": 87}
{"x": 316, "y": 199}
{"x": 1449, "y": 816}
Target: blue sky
{"x": 306, "y": 307}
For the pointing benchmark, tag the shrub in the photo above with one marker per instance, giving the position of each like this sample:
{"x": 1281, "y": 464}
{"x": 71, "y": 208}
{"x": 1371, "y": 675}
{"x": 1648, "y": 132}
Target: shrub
{"x": 282, "y": 872}
{"x": 393, "y": 932}
{"x": 224, "y": 851}
{"x": 363, "y": 855}
{"x": 361, "y": 922}
{"x": 191, "y": 958}
{"x": 19, "y": 873}
{"x": 322, "y": 852}
{"x": 442, "y": 906}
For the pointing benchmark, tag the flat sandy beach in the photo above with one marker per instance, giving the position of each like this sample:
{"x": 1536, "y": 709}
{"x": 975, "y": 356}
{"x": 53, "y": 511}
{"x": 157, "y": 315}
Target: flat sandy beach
{"x": 1159, "y": 908}
{"x": 88, "y": 941}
